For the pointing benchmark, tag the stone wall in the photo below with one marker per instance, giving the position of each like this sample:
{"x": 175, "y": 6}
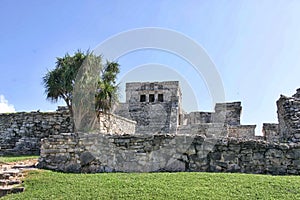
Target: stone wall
{"x": 297, "y": 94}
{"x": 21, "y": 133}
{"x": 165, "y": 115}
{"x": 271, "y": 132}
{"x": 205, "y": 129}
{"x": 148, "y": 153}
{"x": 288, "y": 110}
{"x": 231, "y": 111}
{"x": 150, "y": 118}
{"x": 114, "y": 124}
{"x": 242, "y": 131}
{"x": 226, "y": 113}
{"x": 214, "y": 142}
{"x": 218, "y": 129}
{"x": 152, "y": 115}
{"x": 199, "y": 117}
{"x": 288, "y": 127}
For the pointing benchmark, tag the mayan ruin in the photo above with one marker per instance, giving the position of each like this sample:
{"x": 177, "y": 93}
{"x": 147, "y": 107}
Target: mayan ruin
{"x": 152, "y": 132}
{"x": 138, "y": 100}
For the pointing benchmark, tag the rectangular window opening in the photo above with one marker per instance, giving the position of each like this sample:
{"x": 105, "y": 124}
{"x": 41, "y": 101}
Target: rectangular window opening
{"x": 160, "y": 98}
{"x": 143, "y": 98}
{"x": 151, "y": 98}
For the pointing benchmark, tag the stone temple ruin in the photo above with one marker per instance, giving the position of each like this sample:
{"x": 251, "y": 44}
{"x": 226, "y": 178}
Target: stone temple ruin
{"x": 151, "y": 132}
{"x": 157, "y": 108}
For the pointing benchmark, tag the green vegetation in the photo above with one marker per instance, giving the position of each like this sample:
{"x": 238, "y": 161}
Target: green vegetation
{"x": 7, "y": 159}
{"x": 54, "y": 185}
{"x": 107, "y": 93}
{"x": 59, "y": 83}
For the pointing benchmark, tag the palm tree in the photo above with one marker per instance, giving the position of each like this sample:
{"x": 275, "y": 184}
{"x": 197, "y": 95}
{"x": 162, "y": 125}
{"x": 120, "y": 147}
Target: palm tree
{"x": 107, "y": 92}
{"x": 59, "y": 82}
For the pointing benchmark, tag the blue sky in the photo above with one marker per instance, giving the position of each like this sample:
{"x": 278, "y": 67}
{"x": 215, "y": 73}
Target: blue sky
{"x": 255, "y": 46}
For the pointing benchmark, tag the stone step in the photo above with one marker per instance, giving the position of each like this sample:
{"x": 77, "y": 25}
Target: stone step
{"x": 11, "y": 173}
{"x": 5, "y": 176}
{"x": 10, "y": 190}
{"x": 5, "y": 182}
{"x": 22, "y": 166}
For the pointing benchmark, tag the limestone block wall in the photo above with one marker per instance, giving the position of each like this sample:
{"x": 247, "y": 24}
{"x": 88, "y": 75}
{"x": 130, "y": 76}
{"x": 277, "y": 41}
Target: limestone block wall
{"x": 227, "y": 113}
{"x": 153, "y": 115}
{"x": 205, "y": 129}
{"x": 288, "y": 110}
{"x": 288, "y": 128}
{"x": 20, "y": 133}
{"x": 146, "y": 153}
{"x": 150, "y": 117}
{"x": 271, "y": 132}
{"x": 169, "y": 89}
{"x": 199, "y": 117}
{"x": 122, "y": 109}
{"x": 114, "y": 124}
{"x": 297, "y": 94}
{"x": 242, "y": 131}
{"x": 218, "y": 130}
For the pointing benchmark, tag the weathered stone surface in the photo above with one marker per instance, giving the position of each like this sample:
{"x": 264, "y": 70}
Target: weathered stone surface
{"x": 288, "y": 110}
{"x": 199, "y": 141}
{"x": 271, "y": 132}
{"x": 71, "y": 167}
{"x": 11, "y": 175}
{"x": 175, "y": 166}
{"x": 86, "y": 157}
{"x": 125, "y": 153}
{"x": 21, "y": 133}
{"x": 155, "y": 106}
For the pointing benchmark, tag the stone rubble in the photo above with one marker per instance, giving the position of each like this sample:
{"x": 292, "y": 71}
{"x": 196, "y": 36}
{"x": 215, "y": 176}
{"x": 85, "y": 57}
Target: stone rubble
{"x": 12, "y": 174}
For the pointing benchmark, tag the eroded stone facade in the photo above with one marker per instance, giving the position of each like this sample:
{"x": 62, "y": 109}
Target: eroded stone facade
{"x": 155, "y": 134}
{"x": 210, "y": 145}
{"x": 21, "y": 133}
{"x": 157, "y": 108}
{"x": 93, "y": 153}
{"x": 288, "y": 127}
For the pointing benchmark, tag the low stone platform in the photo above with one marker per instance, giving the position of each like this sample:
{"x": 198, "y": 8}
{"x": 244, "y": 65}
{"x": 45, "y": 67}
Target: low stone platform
{"x": 12, "y": 174}
{"x": 93, "y": 153}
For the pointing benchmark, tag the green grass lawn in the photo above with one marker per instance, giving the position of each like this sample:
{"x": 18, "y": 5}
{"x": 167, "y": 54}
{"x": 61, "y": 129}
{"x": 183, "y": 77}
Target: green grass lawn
{"x": 16, "y": 158}
{"x": 45, "y": 184}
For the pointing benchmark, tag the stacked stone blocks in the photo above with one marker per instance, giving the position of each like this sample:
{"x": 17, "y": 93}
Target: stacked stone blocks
{"x": 151, "y": 153}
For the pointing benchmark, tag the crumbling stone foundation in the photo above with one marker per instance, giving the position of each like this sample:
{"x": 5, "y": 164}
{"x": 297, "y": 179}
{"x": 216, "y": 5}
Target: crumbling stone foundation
{"x": 150, "y": 153}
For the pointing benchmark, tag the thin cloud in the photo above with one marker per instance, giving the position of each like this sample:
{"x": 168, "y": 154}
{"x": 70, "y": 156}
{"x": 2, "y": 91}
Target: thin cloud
{"x": 5, "y": 107}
